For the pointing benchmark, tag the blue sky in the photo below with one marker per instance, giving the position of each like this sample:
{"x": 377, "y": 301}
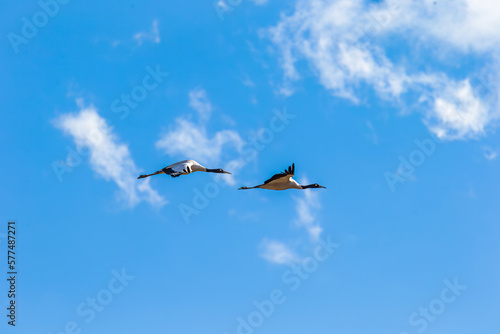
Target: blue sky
{"x": 393, "y": 106}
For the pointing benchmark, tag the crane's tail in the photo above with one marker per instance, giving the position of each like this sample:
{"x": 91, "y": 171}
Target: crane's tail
{"x": 246, "y": 188}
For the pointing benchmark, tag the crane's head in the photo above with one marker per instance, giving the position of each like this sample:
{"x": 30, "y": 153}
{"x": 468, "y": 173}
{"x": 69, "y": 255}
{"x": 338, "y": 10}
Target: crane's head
{"x": 315, "y": 185}
{"x": 218, "y": 171}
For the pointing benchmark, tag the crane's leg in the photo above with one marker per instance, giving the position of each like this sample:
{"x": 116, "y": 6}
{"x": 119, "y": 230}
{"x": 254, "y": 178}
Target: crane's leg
{"x": 245, "y": 188}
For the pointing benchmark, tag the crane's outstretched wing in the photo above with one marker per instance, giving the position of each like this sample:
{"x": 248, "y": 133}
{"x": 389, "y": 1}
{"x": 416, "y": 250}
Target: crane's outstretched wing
{"x": 179, "y": 168}
{"x": 286, "y": 175}
{"x": 171, "y": 172}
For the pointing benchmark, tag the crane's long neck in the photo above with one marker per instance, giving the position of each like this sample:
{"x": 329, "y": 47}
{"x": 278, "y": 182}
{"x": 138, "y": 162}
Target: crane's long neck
{"x": 308, "y": 186}
{"x": 208, "y": 170}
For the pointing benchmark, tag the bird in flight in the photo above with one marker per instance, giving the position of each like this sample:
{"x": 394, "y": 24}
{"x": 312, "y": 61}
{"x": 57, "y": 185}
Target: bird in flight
{"x": 283, "y": 181}
{"x": 183, "y": 168}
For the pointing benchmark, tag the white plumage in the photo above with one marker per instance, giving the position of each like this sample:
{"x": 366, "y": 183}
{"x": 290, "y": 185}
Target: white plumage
{"x": 183, "y": 168}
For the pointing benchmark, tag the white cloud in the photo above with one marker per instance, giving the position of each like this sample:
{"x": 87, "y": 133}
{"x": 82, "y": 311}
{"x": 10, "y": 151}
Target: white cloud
{"x": 229, "y": 5}
{"x": 457, "y": 113}
{"x": 324, "y": 33}
{"x": 468, "y": 25}
{"x": 373, "y": 134}
{"x": 306, "y": 206}
{"x": 277, "y": 252}
{"x": 345, "y": 44}
{"x": 153, "y": 35}
{"x": 246, "y": 81}
{"x": 109, "y": 158}
{"x": 489, "y": 153}
{"x": 192, "y": 140}
{"x": 198, "y": 100}
{"x": 259, "y": 2}
{"x": 222, "y": 5}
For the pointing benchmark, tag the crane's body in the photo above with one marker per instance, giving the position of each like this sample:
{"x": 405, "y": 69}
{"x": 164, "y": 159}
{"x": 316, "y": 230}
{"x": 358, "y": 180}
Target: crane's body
{"x": 283, "y": 181}
{"x": 184, "y": 167}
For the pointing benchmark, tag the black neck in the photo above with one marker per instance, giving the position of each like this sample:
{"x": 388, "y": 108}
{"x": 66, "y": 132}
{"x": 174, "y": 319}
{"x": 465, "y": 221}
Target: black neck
{"x": 308, "y": 186}
{"x": 212, "y": 170}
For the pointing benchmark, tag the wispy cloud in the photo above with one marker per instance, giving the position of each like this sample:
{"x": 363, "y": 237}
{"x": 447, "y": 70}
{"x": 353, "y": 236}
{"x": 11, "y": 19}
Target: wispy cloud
{"x": 307, "y": 206}
{"x": 489, "y": 153}
{"x": 109, "y": 157}
{"x": 198, "y": 100}
{"x": 468, "y": 25}
{"x": 456, "y": 113}
{"x": 246, "y": 81}
{"x": 189, "y": 139}
{"x": 345, "y": 42}
{"x": 223, "y": 5}
{"x": 277, "y": 252}
{"x": 373, "y": 134}
{"x": 259, "y": 2}
{"x": 192, "y": 140}
{"x": 153, "y": 35}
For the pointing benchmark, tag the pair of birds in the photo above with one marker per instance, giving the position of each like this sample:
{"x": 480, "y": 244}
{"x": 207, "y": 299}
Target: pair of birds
{"x": 280, "y": 181}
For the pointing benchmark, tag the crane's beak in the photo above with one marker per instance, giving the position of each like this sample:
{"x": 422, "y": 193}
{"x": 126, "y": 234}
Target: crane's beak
{"x": 226, "y": 172}
{"x": 322, "y": 187}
